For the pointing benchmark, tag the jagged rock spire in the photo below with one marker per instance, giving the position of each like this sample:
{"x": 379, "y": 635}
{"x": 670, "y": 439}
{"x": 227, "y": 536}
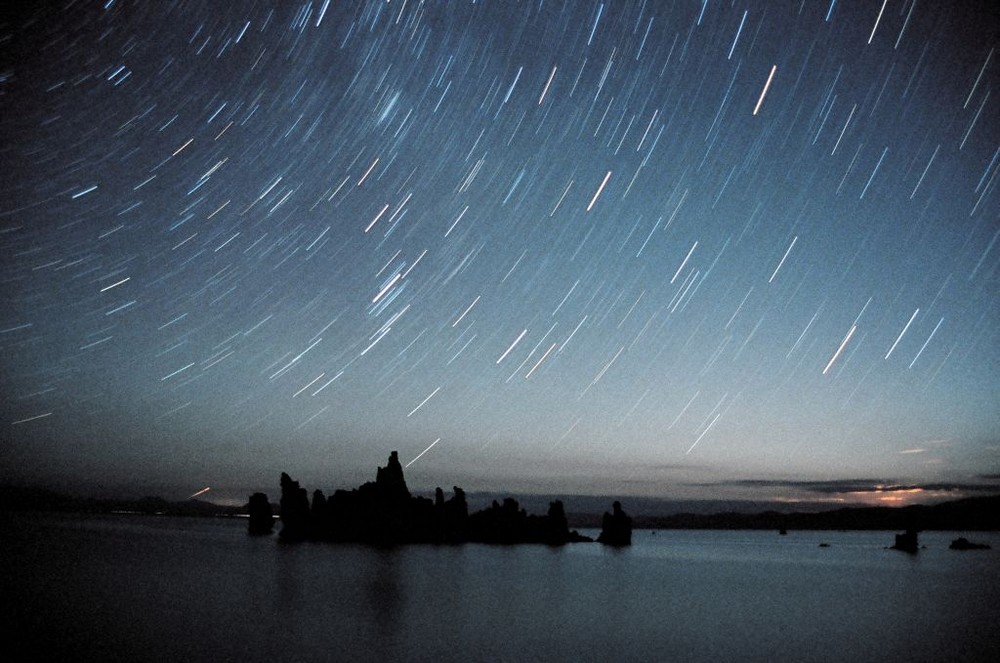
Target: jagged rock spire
{"x": 390, "y": 481}
{"x": 294, "y": 509}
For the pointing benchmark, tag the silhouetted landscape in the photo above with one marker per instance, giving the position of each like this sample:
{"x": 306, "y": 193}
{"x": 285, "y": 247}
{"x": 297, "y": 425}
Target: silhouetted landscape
{"x": 580, "y": 511}
{"x": 384, "y": 512}
{"x": 538, "y": 330}
{"x": 973, "y": 514}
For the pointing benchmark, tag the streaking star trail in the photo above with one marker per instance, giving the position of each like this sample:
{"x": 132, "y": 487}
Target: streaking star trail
{"x": 658, "y": 248}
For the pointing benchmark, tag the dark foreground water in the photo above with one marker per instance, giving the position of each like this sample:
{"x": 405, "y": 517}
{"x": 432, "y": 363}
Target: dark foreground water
{"x": 135, "y": 588}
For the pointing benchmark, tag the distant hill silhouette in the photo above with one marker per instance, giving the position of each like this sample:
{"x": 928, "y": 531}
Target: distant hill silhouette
{"x": 20, "y": 498}
{"x": 969, "y": 514}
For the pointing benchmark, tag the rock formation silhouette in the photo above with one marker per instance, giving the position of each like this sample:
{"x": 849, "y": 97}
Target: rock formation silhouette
{"x": 616, "y": 529}
{"x": 453, "y": 516}
{"x": 556, "y": 528}
{"x": 907, "y": 542}
{"x": 261, "y": 515}
{"x": 390, "y": 480}
{"x": 383, "y": 512}
{"x": 962, "y": 543}
{"x": 294, "y": 510}
{"x": 316, "y": 511}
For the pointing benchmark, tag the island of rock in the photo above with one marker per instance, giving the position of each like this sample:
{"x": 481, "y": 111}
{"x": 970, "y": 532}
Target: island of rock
{"x": 261, "y": 515}
{"x": 907, "y": 542}
{"x": 962, "y": 543}
{"x": 383, "y": 512}
{"x": 616, "y": 527}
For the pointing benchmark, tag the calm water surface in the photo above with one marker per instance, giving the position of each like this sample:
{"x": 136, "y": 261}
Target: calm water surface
{"x": 135, "y": 588}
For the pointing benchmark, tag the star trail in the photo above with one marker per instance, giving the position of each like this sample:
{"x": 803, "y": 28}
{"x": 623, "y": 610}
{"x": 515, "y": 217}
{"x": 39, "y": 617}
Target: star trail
{"x": 660, "y": 248}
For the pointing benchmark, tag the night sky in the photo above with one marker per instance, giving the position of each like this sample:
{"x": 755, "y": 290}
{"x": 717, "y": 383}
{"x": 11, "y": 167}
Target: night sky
{"x": 679, "y": 249}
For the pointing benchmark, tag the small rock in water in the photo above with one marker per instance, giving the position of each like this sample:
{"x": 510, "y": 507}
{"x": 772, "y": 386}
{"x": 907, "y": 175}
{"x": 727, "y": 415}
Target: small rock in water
{"x": 962, "y": 543}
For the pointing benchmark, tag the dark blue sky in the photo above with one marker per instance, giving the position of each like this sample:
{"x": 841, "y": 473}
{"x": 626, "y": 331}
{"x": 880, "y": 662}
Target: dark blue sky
{"x": 722, "y": 249}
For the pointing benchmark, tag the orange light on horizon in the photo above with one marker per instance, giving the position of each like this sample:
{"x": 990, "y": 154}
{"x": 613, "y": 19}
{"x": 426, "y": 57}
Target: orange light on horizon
{"x": 881, "y": 494}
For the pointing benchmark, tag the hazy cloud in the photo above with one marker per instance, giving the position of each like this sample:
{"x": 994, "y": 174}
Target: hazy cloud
{"x": 835, "y": 486}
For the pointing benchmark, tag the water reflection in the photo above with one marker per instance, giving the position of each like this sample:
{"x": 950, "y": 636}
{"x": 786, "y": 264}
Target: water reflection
{"x": 386, "y": 593}
{"x": 698, "y": 596}
{"x": 289, "y": 575}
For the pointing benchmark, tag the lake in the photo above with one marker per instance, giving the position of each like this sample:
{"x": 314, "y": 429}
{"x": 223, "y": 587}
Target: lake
{"x": 144, "y": 588}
